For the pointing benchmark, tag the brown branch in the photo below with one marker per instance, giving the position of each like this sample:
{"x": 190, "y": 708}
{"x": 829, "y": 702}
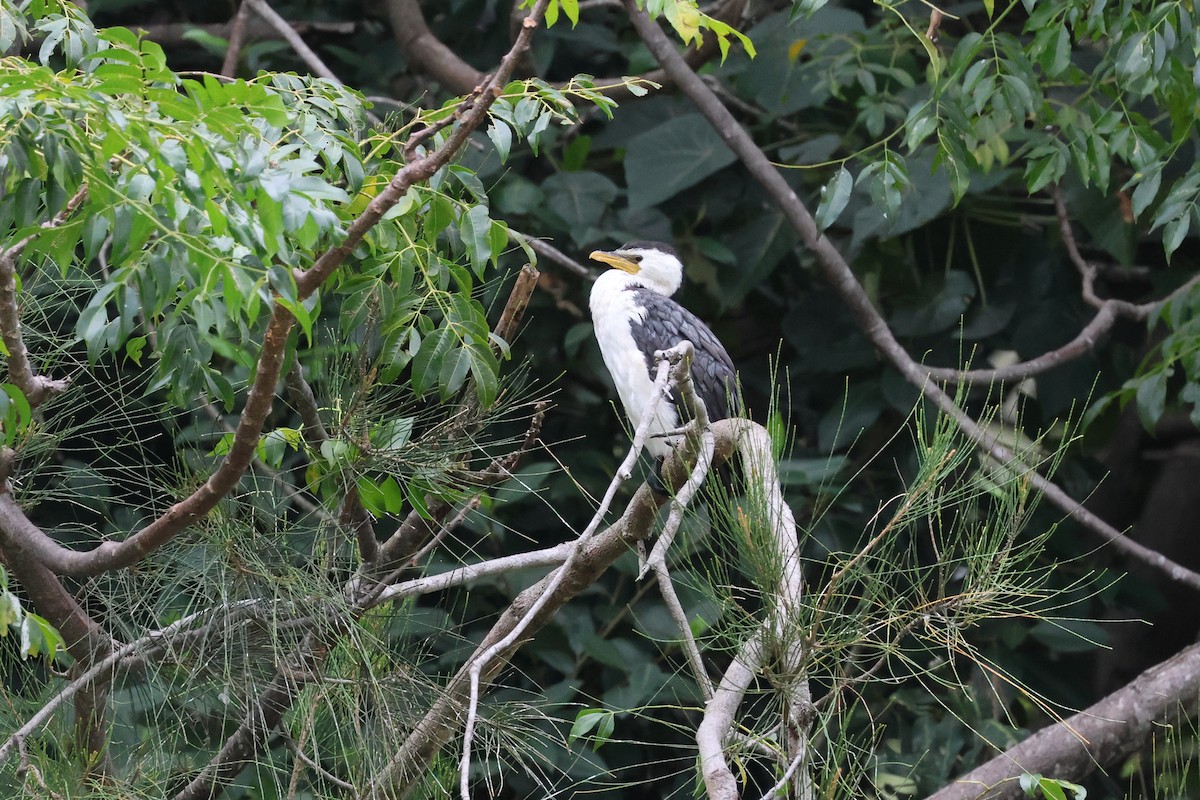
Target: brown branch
{"x": 237, "y": 38}
{"x": 838, "y": 273}
{"x": 36, "y": 388}
{"x": 84, "y": 639}
{"x": 1108, "y": 311}
{"x": 1087, "y": 271}
{"x": 285, "y": 30}
{"x": 430, "y": 55}
{"x": 548, "y": 251}
{"x": 1101, "y": 735}
{"x": 518, "y": 301}
{"x": 1084, "y": 342}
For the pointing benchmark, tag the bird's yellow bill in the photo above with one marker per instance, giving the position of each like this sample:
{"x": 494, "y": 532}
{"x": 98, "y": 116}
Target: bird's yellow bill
{"x": 614, "y": 260}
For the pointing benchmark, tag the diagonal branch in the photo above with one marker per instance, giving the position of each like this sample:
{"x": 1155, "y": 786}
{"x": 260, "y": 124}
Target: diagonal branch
{"x": 1103, "y": 734}
{"x": 289, "y": 34}
{"x": 837, "y": 272}
{"x": 439, "y": 723}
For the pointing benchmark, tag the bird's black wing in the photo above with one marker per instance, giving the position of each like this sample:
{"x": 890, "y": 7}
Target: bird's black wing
{"x": 666, "y": 324}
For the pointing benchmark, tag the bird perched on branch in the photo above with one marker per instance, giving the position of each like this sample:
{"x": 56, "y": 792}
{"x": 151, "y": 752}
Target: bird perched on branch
{"x": 634, "y": 316}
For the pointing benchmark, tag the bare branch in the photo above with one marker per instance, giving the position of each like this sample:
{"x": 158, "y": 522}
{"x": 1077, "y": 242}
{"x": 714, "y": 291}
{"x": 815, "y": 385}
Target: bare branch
{"x": 518, "y": 301}
{"x": 237, "y": 37}
{"x": 548, "y": 251}
{"x": 838, "y": 273}
{"x": 1103, "y": 734}
{"x": 1107, "y": 313}
{"x": 35, "y": 387}
{"x": 281, "y": 26}
{"x": 174, "y": 34}
{"x": 719, "y": 712}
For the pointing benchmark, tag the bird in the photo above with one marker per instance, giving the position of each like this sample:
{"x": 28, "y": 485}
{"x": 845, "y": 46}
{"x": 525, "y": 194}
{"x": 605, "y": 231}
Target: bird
{"x": 634, "y": 315}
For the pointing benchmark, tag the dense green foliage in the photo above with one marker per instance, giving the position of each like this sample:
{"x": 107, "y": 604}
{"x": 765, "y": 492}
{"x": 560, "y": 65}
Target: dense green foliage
{"x": 927, "y": 163}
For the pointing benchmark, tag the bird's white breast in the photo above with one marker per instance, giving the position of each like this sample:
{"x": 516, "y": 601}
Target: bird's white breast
{"x": 613, "y": 311}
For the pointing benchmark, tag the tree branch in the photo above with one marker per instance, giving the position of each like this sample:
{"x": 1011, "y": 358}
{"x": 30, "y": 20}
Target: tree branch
{"x": 427, "y": 53}
{"x": 289, "y": 34}
{"x": 435, "y": 728}
{"x": 268, "y": 709}
{"x": 838, "y": 273}
{"x": 1103, "y": 734}
{"x": 35, "y": 387}
{"x": 1107, "y": 313}
{"x": 481, "y": 661}
{"x": 237, "y": 38}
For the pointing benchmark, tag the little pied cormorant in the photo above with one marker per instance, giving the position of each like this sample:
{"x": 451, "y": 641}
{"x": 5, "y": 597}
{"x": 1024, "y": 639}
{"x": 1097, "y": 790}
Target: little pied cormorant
{"x": 634, "y": 316}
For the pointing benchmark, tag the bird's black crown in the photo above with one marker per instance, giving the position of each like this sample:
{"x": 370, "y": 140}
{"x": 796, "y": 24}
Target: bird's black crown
{"x": 642, "y": 244}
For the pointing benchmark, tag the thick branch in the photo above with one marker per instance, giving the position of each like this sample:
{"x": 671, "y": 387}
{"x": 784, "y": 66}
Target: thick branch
{"x": 838, "y": 273}
{"x": 1103, "y": 734}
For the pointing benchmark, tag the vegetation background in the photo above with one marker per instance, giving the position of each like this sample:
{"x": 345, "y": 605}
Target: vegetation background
{"x": 1014, "y": 185}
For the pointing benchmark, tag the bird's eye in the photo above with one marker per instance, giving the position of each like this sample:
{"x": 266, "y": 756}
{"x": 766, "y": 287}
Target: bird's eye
{"x": 636, "y": 259}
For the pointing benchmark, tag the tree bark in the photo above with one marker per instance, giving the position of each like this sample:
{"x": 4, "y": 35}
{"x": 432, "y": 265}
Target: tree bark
{"x": 1101, "y": 735}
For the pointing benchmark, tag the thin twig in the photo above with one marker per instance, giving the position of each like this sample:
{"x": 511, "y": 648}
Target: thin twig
{"x": 548, "y": 251}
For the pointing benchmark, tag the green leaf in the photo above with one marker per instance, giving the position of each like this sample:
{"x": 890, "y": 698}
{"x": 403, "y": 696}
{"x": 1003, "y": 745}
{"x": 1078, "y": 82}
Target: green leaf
{"x": 475, "y": 228}
{"x": 1146, "y": 191}
{"x": 571, "y": 9}
{"x": 39, "y": 637}
{"x": 1174, "y": 233}
{"x": 1151, "y": 397}
{"x": 427, "y": 362}
{"x": 589, "y": 719}
{"x": 501, "y": 136}
{"x": 392, "y": 435}
{"x": 134, "y": 348}
{"x": 834, "y": 197}
{"x": 671, "y": 157}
